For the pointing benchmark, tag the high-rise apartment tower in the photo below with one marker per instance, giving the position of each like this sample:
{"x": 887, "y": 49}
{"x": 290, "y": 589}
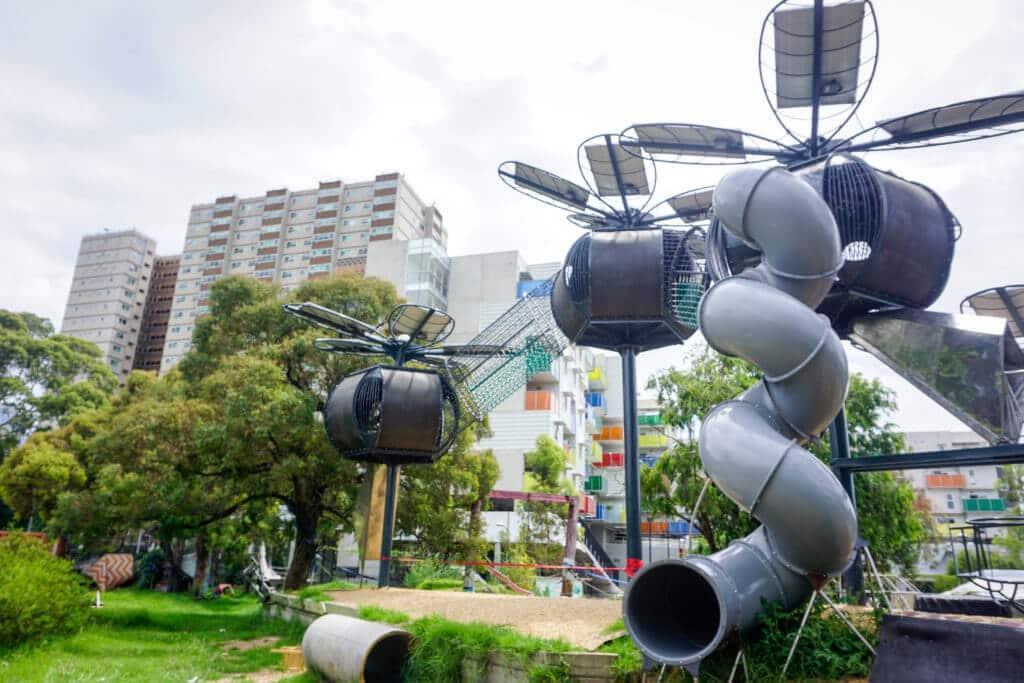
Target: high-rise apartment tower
{"x": 108, "y": 293}
{"x": 288, "y": 236}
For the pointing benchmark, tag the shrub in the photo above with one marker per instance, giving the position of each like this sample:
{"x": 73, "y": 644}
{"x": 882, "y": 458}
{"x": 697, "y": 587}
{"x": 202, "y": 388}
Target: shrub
{"x": 39, "y": 593}
{"x": 944, "y": 582}
{"x": 424, "y": 571}
{"x": 436, "y": 584}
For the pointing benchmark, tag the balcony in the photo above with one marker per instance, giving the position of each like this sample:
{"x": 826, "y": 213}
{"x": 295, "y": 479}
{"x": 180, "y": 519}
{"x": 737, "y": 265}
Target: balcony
{"x": 596, "y": 452}
{"x": 595, "y": 482}
{"x": 597, "y": 380}
{"x": 593, "y": 421}
{"x": 539, "y": 400}
{"x": 654, "y": 419}
{"x": 653, "y": 441}
{"x": 946, "y": 481}
{"x": 984, "y": 505}
{"x": 610, "y": 434}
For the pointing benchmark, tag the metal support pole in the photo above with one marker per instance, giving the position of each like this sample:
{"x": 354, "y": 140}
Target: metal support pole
{"x": 390, "y": 492}
{"x": 839, "y": 438}
{"x": 634, "y": 541}
{"x": 819, "y": 20}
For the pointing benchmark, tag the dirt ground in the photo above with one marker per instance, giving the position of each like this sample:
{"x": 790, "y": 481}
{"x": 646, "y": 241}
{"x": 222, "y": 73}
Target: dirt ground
{"x": 579, "y": 621}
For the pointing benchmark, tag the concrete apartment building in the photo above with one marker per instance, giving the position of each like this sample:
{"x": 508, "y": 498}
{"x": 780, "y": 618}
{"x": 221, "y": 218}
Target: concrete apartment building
{"x": 954, "y": 494}
{"x": 951, "y": 495}
{"x": 108, "y": 293}
{"x": 288, "y": 236}
{"x": 157, "y": 312}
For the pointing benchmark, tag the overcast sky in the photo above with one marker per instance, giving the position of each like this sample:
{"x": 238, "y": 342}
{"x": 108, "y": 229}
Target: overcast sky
{"x": 117, "y": 115}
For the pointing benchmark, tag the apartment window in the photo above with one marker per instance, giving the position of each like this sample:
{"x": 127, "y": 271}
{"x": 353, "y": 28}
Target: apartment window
{"x": 179, "y": 314}
{"x": 289, "y": 259}
{"x": 172, "y": 345}
{"x": 115, "y": 363}
{"x": 386, "y": 199}
{"x": 268, "y": 243}
{"x": 286, "y": 274}
{"x": 327, "y": 207}
{"x": 383, "y": 214}
{"x": 307, "y": 243}
{"x": 347, "y": 222}
{"x": 235, "y": 265}
{"x": 291, "y": 229}
{"x": 950, "y": 505}
{"x": 348, "y": 207}
{"x": 176, "y": 329}
{"x": 386, "y": 183}
{"x": 289, "y": 245}
{"x": 243, "y": 221}
{"x": 238, "y": 250}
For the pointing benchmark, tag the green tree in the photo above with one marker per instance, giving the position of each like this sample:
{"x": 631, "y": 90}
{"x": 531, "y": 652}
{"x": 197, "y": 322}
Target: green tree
{"x": 1011, "y": 486}
{"x": 267, "y": 382}
{"x": 544, "y": 472}
{"x": 887, "y": 520}
{"x": 44, "y": 377}
{"x": 442, "y": 505}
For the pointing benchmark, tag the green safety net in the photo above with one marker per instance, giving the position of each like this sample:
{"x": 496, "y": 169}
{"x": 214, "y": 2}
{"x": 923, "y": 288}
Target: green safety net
{"x": 685, "y": 301}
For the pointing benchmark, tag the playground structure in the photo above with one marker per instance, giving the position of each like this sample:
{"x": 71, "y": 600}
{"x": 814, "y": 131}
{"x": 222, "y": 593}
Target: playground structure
{"x": 631, "y": 283}
{"x": 750, "y": 446}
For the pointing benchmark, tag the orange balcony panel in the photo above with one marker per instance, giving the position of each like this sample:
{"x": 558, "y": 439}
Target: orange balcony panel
{"x": 611, "y": 434}
{"x": 538, "y": 400}
{"x": 946, "y": 481}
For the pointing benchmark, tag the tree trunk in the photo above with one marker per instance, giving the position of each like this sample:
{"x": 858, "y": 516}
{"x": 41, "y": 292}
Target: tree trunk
{"x": 708, "y": 531}
{"x": 307, "y": 511}
{"x": 202, "y": 563}
{"x": 173, "y": 576}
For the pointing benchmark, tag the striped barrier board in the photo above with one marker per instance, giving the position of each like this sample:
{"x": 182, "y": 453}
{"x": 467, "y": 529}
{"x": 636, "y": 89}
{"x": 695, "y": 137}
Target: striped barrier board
{"x": 112, "y": 570}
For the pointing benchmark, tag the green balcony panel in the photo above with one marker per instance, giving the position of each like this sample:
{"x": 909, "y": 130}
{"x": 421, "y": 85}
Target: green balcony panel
{"x": 984, "y": 505}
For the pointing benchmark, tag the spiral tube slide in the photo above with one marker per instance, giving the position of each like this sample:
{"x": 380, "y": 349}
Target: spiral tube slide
{"x": 680, "y": 611}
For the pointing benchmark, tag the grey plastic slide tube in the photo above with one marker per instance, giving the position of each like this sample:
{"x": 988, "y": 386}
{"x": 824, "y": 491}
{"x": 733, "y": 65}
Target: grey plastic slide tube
{"x": 680, "y": 611}
{"x": 342, "y": 649}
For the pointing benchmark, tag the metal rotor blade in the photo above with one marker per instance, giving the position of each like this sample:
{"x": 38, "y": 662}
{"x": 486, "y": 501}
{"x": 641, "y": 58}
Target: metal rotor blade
{"x": 544, "y": 185}
{"x": 687, "y": 143}
{"x": 423, "y": 324}
{"x": 960, "y": 122}
{"x": 332, "y": 320}
{"x": 359, "y": 347}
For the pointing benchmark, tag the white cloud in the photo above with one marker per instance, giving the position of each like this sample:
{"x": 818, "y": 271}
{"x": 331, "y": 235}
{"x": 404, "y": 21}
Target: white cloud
{"x": 125, "y": 114}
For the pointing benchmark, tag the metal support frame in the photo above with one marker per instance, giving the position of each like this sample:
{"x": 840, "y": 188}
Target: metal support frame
{"x": 839, "y": 440}
{"x": 634, "y": 541}
{"x": 390, "y": 492}
{"x": 1011, "y": 308}
{"x": 819, "y": 21}
{"x": 1011, "y": 454}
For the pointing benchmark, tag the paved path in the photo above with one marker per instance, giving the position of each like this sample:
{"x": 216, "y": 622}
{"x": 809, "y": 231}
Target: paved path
{"x": 580, "y": 621}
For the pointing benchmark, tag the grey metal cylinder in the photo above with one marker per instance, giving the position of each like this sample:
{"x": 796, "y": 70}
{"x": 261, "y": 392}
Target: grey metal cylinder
{"x": 680, "y": 611}
{"x": 345, "y": 649}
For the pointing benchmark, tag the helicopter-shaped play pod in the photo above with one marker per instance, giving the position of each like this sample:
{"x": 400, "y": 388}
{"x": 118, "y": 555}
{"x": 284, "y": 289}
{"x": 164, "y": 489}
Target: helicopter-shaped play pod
{"x": 632, "y": 283}
{"x": 391, "y": 414}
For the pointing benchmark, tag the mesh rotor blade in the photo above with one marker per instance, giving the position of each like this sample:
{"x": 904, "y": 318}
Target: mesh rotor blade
{"x": 545, "y": 185}
{"x": 959, "y": 122}
{"x": 332, "y": 320}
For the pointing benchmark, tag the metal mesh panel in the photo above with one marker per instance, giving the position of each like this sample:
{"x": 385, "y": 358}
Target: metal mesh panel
{"x": 853, "y": 194}
{"x": 528, "y": 339}
{"x": 685, "y": 280}
{"x": 577, "y": 270}
{"x": 367, "y": 403}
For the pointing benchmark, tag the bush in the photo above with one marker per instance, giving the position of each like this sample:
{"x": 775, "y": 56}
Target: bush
{"x": 944, "y": 582}
{"x": 425, "y": 571}
{"x": 39, "y": 593}
{"x": 440, "y": 584}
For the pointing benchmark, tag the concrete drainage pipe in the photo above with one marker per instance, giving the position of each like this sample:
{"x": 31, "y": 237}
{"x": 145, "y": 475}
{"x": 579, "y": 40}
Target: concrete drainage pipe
{"x": 344, "y": 649}
{"x": 680, "y": 611}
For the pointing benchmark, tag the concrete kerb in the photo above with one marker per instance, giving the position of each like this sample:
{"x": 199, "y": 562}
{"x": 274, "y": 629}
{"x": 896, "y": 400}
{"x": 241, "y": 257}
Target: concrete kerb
{"x": 585, "y": 667}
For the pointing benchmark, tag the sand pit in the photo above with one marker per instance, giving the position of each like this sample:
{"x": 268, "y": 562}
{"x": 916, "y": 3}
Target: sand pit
{"x": 580, "y": 621}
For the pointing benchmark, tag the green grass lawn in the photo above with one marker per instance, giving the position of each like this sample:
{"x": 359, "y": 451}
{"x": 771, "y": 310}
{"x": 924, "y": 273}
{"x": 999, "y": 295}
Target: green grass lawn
{"x": 146, "y": 636}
